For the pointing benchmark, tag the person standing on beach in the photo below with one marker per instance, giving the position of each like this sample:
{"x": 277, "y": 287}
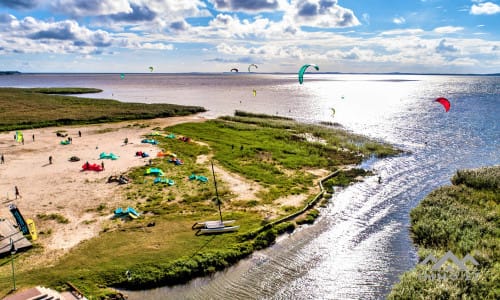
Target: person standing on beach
{"x": 50, "y": 160}
{"x": 2, "y": 159}
{"x": 79, "y": 133}
{"x": 33, "y": 137}
{"x": 16, "y": 190}
{"x": 102, "y": 165}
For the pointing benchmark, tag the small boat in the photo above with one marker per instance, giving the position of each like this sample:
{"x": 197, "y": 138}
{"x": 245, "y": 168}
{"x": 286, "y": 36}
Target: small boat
{"x": 218, "y": 229}
{"x": 212, "y": 224}
{"x": 219, "y": 226}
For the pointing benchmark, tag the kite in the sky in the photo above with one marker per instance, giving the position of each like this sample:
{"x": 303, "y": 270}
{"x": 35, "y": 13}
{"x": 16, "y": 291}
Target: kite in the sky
{"x": 234, "y": 69}
{"x": 122, "y": 76}
{"x": 303, "y": 70}
{"x": 446, "y": 104}
{"x": 333, "y": 112}
{"x": 254, "y": 93}
{"x": 252, "y": 65}
{"x": 150, "y": 69}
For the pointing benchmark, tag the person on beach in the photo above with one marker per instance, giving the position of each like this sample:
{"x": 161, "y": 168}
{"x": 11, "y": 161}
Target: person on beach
{"x": 87, "y": 165}
{"x": 79, "y": 133}
{"x": 16, "y": 190}
{"x": 50, "y": 160}
{"x": 126, "y": 141}
{"x": 22, "y": 140}
{"x": 33, "y": 137}
{"x": 2, "y": 159}
{"x": 102, "y": 165}
{"x": 380, "y": 179}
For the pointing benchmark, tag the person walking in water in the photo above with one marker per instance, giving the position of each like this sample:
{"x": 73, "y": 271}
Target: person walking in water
{"x": 16, "y": 190}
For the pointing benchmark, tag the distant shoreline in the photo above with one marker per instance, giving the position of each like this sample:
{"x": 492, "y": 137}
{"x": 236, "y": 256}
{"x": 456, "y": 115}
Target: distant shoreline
{"x": 253, "y": 73}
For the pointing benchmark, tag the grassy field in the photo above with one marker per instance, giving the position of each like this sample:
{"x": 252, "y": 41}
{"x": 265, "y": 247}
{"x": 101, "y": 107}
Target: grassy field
{"x": 42, "y": 107}
{"x": 274, "y": 152}
{"x": 463, "y": 218}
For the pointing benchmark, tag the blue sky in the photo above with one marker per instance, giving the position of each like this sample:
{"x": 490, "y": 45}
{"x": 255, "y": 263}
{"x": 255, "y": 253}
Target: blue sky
{"x": 437, "y": 36}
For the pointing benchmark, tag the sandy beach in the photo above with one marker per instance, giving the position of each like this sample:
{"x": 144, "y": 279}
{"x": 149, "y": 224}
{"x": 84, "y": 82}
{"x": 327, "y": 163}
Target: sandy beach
{"x": 62, "y": 187}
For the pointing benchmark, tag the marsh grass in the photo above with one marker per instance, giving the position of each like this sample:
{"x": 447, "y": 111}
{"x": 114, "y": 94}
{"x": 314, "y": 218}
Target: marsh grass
{"x": 53, "y": 216}
{"x": 41, "y": 107}
{"x": 462, "y": 218}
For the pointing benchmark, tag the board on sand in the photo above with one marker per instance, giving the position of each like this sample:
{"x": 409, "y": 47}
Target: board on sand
{"x": 32, "y": 229}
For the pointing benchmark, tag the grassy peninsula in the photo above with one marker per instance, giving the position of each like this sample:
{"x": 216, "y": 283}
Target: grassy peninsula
{"x": 463, "y": 218}
{"x": 43, "y": 107}
{"x": 283, "y": 161}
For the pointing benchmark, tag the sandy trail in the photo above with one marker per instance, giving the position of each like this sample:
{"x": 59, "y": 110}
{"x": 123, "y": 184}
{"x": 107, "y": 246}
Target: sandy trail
{"x": 61, "y": 187}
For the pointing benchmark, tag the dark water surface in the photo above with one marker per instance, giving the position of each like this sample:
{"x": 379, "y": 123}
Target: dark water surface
{"x": 360, "y": 244}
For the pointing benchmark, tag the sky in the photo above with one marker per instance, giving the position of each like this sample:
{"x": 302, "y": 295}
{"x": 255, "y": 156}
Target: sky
{"x": 416, "y": 36}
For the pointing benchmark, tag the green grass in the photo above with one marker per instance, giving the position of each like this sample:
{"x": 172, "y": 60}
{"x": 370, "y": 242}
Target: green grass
{"x": 464, "y": 219}
{"x": 40, "y": 107}
{"x": 169, "y": 252}
{"x": 53, "y": 216}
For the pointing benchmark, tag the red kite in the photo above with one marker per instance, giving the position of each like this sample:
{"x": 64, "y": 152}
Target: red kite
{"x": 446, "y": 104}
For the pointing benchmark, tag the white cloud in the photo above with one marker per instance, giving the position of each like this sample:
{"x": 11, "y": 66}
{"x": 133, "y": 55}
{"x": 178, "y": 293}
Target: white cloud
{"x": 320, "y": 13}
{"x": 157, "y": 46}
{"x": 399, "y": 20}
{"x": 415, "y": 31}
{"x": 486, "y": 8}
{"x": 448, "y": 29}
{"x": 249, "y": 6}
{"x": 92, "y": 7}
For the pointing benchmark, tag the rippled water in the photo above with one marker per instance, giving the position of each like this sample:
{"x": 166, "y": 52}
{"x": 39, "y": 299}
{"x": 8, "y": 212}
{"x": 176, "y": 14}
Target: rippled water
{"x": 360, "y": 244}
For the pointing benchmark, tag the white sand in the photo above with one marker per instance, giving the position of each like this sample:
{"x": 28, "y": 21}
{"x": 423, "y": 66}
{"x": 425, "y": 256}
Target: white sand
{"x": 61, "y": 187}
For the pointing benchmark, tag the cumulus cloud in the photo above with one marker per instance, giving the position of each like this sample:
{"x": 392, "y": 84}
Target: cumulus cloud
{"x": 443, "y": 47}
{"x": 19, "y": 4}
{"x": 156, "y": 46}
{"x": 448, "y": 29}
{"x": 486, "y": 8}
{"x": 399, "y": 20}
{"x": 179, "y": 25}
{"x": 248, "y": 5}
{"x": 92, "y": 7}
{"x": 321, "y": 13}
{"x": 136, "y": 14}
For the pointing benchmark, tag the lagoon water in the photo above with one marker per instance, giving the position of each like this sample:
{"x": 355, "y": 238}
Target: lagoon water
{"x": 360, "y": 244}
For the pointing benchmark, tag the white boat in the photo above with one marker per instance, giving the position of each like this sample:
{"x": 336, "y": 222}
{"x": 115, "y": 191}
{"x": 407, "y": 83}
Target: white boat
{"x": 215, "y": 226}
{"x": 218, "y": 229}
{"x": 212, "y": 224}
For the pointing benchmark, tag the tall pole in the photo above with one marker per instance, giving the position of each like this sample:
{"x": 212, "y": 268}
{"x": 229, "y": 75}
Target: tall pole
{"x": 12, "y": 252}
{"x": 216, "y": 192}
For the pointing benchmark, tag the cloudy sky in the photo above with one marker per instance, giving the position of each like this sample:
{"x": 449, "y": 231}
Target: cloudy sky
{"x": 452, "y": 36}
